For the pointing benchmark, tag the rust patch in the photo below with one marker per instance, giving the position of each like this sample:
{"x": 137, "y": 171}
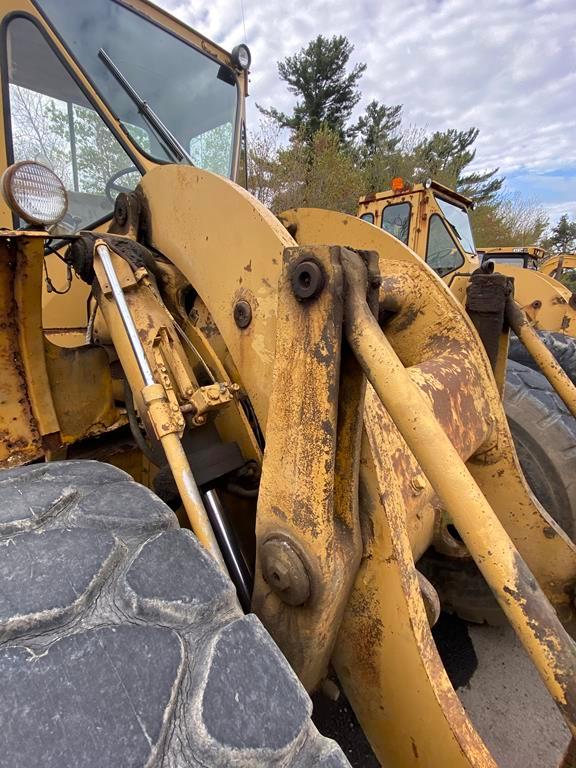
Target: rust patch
{"x": 278, "y": 512}
{"x": 556, "y": 647}
{"x": 407, "y": 318}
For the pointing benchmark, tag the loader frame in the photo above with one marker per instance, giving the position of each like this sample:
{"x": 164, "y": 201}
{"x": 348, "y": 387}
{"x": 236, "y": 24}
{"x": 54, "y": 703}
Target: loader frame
{"x": 380, "y": 415}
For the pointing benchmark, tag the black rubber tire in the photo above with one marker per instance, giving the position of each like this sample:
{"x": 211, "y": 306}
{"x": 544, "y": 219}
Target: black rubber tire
{"x": 562, "y": 347}
{"x": 545, "y": 437}
{"x": 544, "y": 433}
{"x": 122, "y": 643}
{"x": 462, "y": 589}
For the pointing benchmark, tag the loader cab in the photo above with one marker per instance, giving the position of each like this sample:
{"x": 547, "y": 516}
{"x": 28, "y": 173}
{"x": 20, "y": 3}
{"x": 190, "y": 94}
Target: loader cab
{"x": 72, "y": 74}
{"x": 77, "y": 80}
{"x": 523, "y": 257}
{"x": 560, "y": 266}
{"x": 429, "y": 218}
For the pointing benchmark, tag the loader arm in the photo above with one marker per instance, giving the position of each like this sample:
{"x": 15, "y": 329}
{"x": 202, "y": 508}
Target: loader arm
{"x": 366, "y": 383}
{"x": 301, "y": 358}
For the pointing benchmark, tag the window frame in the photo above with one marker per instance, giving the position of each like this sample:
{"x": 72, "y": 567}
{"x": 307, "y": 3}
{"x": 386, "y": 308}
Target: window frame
{"x": 393, "y": 205}
{"x": 8, "y": 112}
{"x": 364, "y": 215}
{"x": 135, "y": 145}
{"x": 463, "y": 259}
{"x": 438, "y": 196}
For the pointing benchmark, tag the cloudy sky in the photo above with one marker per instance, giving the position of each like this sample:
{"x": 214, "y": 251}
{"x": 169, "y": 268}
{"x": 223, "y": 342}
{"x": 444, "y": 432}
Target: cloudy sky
{"x": 505, "y": 66}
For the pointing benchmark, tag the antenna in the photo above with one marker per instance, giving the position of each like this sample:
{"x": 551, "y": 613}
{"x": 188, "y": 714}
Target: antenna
{"x": 243, "y": 21}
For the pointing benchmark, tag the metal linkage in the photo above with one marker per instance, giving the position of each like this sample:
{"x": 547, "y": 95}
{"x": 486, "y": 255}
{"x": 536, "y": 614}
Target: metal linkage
{"x": 153, "y": 395}
{"x": 520, "y": 597}
{"x": 307, "y": 525}
{"x": 548, "y": 364}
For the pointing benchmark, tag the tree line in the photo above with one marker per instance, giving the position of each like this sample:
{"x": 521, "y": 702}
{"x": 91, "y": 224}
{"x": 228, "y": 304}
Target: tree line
{"x": 330, "y": 160}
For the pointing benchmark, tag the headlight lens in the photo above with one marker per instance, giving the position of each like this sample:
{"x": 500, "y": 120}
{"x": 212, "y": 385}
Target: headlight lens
{"x": 241, "y": 56}
{"x": 34, "y": 192}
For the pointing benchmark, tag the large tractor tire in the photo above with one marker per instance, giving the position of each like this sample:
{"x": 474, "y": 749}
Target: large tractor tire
{"x": 544, "y": 433}
{"x": 562, "y": 347}
{"x": 123, "y": 644}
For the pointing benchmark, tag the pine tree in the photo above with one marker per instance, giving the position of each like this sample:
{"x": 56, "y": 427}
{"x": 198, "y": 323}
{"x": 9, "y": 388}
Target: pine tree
{"x": 327, "y": 93}
{"x": 377, "y": 131}
{"x": 445, "y": 155}
{"x": 563, "y": 236}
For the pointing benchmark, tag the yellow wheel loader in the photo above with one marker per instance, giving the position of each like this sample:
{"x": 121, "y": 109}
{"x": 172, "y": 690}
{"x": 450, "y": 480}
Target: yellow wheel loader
{"x": 558, "y": 266}
{"x": 218, "y": 428}
{"x": 552, "y": 309}
{"x": 549, "y": 305}
{"x": 433, "y": 220}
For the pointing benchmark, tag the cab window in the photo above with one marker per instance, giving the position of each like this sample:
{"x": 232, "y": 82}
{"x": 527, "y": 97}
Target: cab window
{"x": 369, "y": 217}
{"x": 53, "y": 123}
{"x": 396, "y": 221}
{"x": 195, "y": 96}
{"x": 442, "y": 255}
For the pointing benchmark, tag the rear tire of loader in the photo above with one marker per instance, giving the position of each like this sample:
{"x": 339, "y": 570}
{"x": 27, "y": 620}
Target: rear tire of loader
{"x": 544, "y": 433}
{"x": 562, "y": 347}
{"x": 123, "y": 644}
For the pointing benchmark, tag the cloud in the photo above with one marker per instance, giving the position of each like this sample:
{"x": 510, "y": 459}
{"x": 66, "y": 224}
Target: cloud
{"x": 507, "y": 67}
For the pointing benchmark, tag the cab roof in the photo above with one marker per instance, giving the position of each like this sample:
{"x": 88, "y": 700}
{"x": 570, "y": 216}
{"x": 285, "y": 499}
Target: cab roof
{"x": 516, "y": 250}
{"x": 413, "y": 189}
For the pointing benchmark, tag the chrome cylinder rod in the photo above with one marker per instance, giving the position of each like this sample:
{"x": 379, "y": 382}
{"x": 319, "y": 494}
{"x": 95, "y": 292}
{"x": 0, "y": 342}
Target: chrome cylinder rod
{"x": 123, "y": 309}
{"x": 233, "y": 557}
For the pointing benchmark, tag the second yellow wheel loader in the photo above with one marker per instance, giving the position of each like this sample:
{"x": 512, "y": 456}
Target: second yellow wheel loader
{"x": 552, "y": 305}
{"x": 308, "y": 396}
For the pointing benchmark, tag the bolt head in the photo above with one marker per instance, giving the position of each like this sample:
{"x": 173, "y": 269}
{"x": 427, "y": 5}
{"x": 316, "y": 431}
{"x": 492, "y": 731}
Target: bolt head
{"x": 242, "y": 314}
{"x": 307, "y": 279}
{"x": 284, "y": 571}
{"x": 418, "y": 483}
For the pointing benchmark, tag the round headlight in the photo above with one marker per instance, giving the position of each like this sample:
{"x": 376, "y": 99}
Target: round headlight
{"x": 34, "y": 192}
{"x": 241, "y": 56}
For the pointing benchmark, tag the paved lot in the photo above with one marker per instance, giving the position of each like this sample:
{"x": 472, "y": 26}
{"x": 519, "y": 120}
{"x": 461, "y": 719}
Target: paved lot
{"x": 509, "y": 705}
{"x": 497, "y": 685}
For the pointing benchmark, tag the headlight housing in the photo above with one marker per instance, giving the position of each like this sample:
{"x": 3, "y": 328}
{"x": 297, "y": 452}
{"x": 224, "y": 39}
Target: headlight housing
{"x": 34, "y": 193}
{"x": 241, "y": 57}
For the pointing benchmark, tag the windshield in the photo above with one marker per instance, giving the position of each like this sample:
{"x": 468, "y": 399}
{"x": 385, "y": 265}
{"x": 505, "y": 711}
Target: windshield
{"x": 193, "y": 95}
{"x": 53, "y": 123}
{"x": 459, "y": 223}
{"x": 517, "y": 261}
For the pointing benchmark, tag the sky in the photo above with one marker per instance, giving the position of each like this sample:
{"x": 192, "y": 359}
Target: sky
{"x": 507, "y": 67}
